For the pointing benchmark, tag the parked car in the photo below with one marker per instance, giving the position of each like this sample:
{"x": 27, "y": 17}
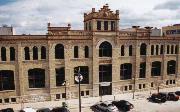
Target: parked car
{"x": 43, "y": 110}
{"x": 29, "y": 109}
{"x": 172, "y": 96}
{"x": 60, "y": 109}
{"x": 158, "y": 97}
{"x": 104, "y": 107}
{"x": 7, "y": 110}
{"x": 177, "y": 93}
{"x": 123, "y": 105}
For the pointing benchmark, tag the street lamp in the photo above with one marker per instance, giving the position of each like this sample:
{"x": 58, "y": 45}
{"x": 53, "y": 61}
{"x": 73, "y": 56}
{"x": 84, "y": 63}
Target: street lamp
{"x": 78, "y": 79}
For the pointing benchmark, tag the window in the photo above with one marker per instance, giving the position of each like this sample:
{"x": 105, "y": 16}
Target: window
{"x": 36, "y": 78}
{"x": 130, "y": 87}
{"x": 157, "y": 50}
{"x": 12, "y": 54}
{"x": 105, "y": 73}
{"x": 86, "y": 49}
{"x": 82, "y": 93}
{"x": 105, "y": 49}
{"x": 167, "y": 49}
{"x": 125, "y": 88}
{"x": 58, "y": 96}
{"x": 43, "y": 52}
{"x": 142, "y": 72}
{"x": 86, "y": 26}
{"x": 13, "y": 99}
{"x": 130, "y": 50}
{"x": 59, "y": 51}
{"x": 152, "y": 84}
{"x": 87, "y": 93}
{"x": 35, "y": 53}
{"x": 26, "y": 53}
{"x": 0, "y": 100}
{"x": 98, "y": 25}
{"x": 63, "y": 95}
{"x": 84, "y": 71}
{"x": 76, "y": 54}
{"x": 60, "y": 76}
{"x": 89, "y": 25}
{"x": 167, "y": 82}
{"x": 172, "y": 49}
{"x": 162, "y": 49}
{"x": 176, "y": 49}
{"x": 6, "y": 80}
{"x": 156, "y": 68}
{"x": 143, "y": 49}
{"x": 152, "y": 49}
{"x": 105, "y": 25}
{"x": 140, "y": 86}
{"x": 6, "y": 100}
{"x": 144, "y": 85}
{"x": 3, "y": 53}
{"x": 112, "y": 25}
{"x": 174, "y": 81}
{"x": 170, "y": 82}
{"x": 122, "y": 50}
{"x": 171, "y": 67}
{"x": 125, "y": 71}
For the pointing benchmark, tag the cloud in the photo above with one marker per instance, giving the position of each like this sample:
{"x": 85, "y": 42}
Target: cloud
{"x": 171, "y": 5}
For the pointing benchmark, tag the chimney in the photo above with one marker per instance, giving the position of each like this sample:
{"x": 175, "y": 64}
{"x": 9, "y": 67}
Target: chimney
{"x": 93, "y": 9}
{"x": 48, "y": 24}
{"x": 117, "y": 12}
{"x": 135, "y": 26}
{"x": 148, "y": 27}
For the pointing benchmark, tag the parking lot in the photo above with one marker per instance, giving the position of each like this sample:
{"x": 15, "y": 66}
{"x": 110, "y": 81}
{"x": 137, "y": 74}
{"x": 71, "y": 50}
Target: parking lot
{"x": 141, "y": 104}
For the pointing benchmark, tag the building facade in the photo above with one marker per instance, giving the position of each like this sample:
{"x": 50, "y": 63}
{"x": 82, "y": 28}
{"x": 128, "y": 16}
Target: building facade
{"x": 111, "y": 61}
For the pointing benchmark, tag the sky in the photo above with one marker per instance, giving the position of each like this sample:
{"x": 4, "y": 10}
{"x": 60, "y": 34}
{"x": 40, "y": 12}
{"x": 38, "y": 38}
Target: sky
{"x": 32, "y": 16}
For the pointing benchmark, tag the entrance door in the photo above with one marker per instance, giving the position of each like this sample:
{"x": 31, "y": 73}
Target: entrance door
{"x": 105, "y": 90}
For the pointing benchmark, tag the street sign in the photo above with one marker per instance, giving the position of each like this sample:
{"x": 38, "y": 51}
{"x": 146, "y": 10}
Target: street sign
{"x": 105, "y": 83}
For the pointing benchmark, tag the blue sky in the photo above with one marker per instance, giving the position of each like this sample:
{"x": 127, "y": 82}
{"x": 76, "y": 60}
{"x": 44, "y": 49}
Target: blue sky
{"x": 32, "y": 16}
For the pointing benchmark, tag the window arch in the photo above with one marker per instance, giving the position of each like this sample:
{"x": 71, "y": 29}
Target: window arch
{"x": 3, "y": 54}
{"x": 105, "y": 49}
{"x": 26, "y": 53}
{"x": 143, "y": 49}
{"x": 43, "y": 52}
{"x": 12, "y": 54}
{"x": 122, "y": 50}
{"x": 172, "y": 49}
{"x": 76, "y": 52}
{"x": 156, "y": 68}
{"x": 157, "y": 50}
{"x": 167, "y": 49}
{"x": 130, "y": 50}
{"x": 35, "y": 53}
{"x": 171, "y": 67}
{"x": 59, "y": 51}
{"x": 152, "y": 49}
{"x": 86, "y": 50}
{"x": 36, "y": 78}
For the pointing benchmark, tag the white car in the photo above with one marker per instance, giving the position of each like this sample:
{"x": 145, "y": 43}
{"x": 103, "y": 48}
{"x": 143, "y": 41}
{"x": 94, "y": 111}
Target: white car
{"x": 29, "y": 109}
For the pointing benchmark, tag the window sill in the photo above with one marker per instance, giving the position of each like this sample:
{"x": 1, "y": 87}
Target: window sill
{"x": 171, "y": 74}
{"x": 36, "y": 88}
{"x": 126, "y": 80}
{"x": 141, "y": 78}
{"x": 5, "y": 91}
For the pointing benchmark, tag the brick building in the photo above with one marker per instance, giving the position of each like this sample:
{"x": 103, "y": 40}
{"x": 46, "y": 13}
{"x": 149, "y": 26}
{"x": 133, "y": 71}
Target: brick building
{"x": 34, "y": 67}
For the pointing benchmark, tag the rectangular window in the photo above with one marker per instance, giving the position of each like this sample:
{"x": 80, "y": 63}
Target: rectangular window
{"x": 112, "y": 25}
{"x": 144, "y": 85}
{"x": 174, "y": 81}
{"x": 13, "y": 99}
{"x": 130, "y": 87}
{"x": 0, "y": 100}
{"x": 152, "y": 84}
{"x": 171, "y": 67}
{"x": 63, "y": 95}
{"x": 156, "y": 68}
{"x": 142, "y": 72}
{"x": 82, "y": 93}
{"x": 140, "y": 86}
{"x": 58, "y": 96}
{"x": 6, "y": 100}
{"x": 125, "y": 88}
{"x": 76, "y": 52}
{"x": 125, "y": 71}
{"x": 98, "y": 25}
{"x": 87, "y": 93}
{"x": 105, "y": 25}
{"x": 60, "y": 76}
{"x": 105, "y": 73}
{"x": 89, "y": 25}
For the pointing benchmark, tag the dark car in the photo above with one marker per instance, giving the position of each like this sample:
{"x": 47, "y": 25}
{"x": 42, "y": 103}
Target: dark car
{"x": 104, "y": 107}
{"x": 172, "y": 96}
{"x": 60, "y": 109}
{"x": 158, "y": 97}
{"x": 177, "y": 93}
{"x": 123, "y": 105}
{"x": 44, "y": 110}
{"x": 7, "y": 110}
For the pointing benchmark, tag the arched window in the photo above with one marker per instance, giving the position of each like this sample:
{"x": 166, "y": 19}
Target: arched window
{"x": 176, "y": 49}
{"x": 172, "y": 49}
{"x": 76, "y": 52}
{"x": 156, "y": 68}
{"x": 130, "y": 50}
{"x": 35, "y": 53}
{"x": 36, "y": 78}
{"x": 7, "y": 80}
{"x": 125, "y": 71}
{"x": 168, "y": 49}
{"x": 3, "y": 54}
{"x": 162, "y": 49}
{"x": 143, "y": 49}
{"x": 26, "y": 53}
{"x": 105, "y": 49}
{"x": 86, "y": 50}
{"x": 157, "y": 50}
{"x": 171, "y": 67}
{"x": 60, "y": 76}
{"x": 152, "y": 49}
{"x": 12, "y": 54}
{"x": 43, "y": 52}
{"x": 59, "y": 51}
{"x": 122, "y": 50}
